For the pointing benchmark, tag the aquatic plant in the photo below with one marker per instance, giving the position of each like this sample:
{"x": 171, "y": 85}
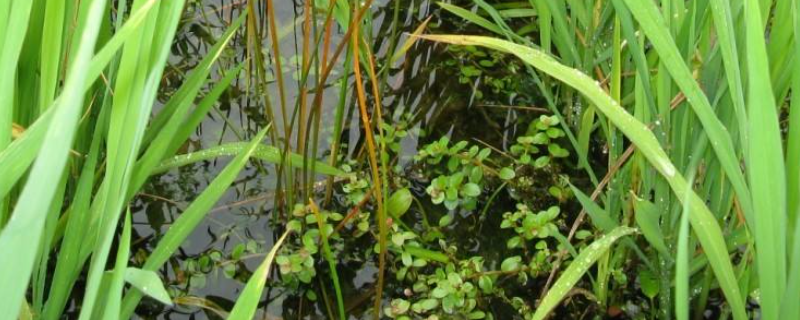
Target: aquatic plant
{"x": 686, "y": 109}
{"x": 677, "y": 35}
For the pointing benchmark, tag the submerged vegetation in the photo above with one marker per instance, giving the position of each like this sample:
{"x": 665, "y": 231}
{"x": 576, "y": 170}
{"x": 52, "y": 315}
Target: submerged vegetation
{"x": 464, "y": 159}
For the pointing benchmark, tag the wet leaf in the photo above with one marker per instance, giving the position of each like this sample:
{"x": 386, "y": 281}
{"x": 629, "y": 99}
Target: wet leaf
{"x": 445, "y": 220}
{"x": 471, "y": 190}
{"x": 507, "y": 173}
{"x": 649, "y": 283}
{"x": 511, "y": 264}
{"x": 399, "y": 202}
{"x": 148, "y": 283}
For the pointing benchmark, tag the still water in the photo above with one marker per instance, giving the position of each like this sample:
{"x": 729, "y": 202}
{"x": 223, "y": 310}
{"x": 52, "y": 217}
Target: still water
{"x": 209, "y": 270}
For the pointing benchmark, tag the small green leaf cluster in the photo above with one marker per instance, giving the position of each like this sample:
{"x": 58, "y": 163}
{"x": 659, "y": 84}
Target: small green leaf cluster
{"x": 529, "y": 226}
{"x": 487, "y": 70}
{"x": 461, "y": 172}
{"x": 355, "y": 187}
{"x": 296, "y": 258}
{"x": 451, "y": 291}
{"x": 394, "y": 131}
{"x": 400, "y": 240}
{"x": 197, "y": 269}
{"x": 542, "y": 133}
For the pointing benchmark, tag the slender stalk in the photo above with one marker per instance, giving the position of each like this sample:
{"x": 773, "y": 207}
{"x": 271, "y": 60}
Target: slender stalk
{"x": 326, "y": 250}
{"x": 376, "y": 176}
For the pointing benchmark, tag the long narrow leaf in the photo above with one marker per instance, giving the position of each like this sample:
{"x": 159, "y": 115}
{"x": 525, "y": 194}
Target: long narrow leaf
{"x": 191, "y": 217}
{"x": 471, "y": 17}
{"x": 577, "y": 269}
{"x": 712, "y": 239}
{"x": 27, "y": 222}
{"x": 263, "y": 152}
{"x": 247, "y": 303}
{"x": 682, "y": 263}
{"x": 652, "y": 23}
{"x": 765, "y": 169}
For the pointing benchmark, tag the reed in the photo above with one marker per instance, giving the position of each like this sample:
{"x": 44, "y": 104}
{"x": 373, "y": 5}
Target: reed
{"x": 731, "y": 115}
{"x": 694, "y": 104}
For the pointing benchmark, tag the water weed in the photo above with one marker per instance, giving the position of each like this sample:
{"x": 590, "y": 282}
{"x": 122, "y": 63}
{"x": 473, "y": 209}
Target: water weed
{"x": 461, "y": 159}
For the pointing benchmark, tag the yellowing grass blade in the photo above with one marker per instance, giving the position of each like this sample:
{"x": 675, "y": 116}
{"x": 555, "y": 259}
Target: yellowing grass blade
{"x": 411, "y": 40}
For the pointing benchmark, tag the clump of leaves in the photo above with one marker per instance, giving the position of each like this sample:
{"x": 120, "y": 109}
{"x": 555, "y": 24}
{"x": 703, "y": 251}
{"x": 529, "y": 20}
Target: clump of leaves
{"x": 489, "y": 72}
{"x": 196, "y": 270}
{"x": 542, "y": 134}
{"x": 296, "y": 258}
{"x": 460, "y": 172}
{"x": 355, "y": 187}
{"x": 452, "y": 291}
{"x": 529, "y": 227}
{"x": 394, "y": 132}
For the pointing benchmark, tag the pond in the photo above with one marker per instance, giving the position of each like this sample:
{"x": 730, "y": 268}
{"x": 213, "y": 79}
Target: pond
{"x": 433, "y": 91}
{"x": 399, "y": 159}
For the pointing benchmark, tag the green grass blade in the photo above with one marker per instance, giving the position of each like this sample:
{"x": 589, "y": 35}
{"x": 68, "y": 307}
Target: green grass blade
{"x": 600, "y": 219}
{"x": 263, "y": 152}
{"x": 712, "y": 239}
{"x": 170, "y": 116}
{"x": 765, "y": 169}
{"x": 545, "y": 22}
{"x": 564, "y": 37}
{"x": 199, "y": 114}
{"x": 652, "y": 23}
{"x": 51, "y": 42}
{"x": 636, "y": 51}
{"x": 247, "y": 303}
{"x": 10, "y": 49}
{"x": 723, "y": 26}
{"x": 117, "y": 281}
{"x": 164, "y": 127}
{"x": 17, "y": 158}
{"x": 471, "y": 17}
{"x": 122, "y": 36}
{"x": 191, "y": 217}
{"x": 27, "y": 222}
{"x": 149, "y": 283}
{"x": 647, "y": 218}
{"x": 328, "y": 254}
{"x": 67, "y": 269}
{"x": 683, "y": 261}
{"x": 577, "y": 269}
{"x": 791, "y": 310}
{"x": 793, "y": 138}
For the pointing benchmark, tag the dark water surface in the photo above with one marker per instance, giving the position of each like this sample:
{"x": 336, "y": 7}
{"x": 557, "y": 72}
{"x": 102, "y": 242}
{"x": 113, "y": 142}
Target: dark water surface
{"x": 421, "y": 84}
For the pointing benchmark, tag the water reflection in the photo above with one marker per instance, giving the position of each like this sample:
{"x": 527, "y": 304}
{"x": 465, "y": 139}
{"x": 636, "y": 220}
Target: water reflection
{"x": 424, "y": 84}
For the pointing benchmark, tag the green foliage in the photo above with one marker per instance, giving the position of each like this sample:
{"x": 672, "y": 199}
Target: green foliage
{"x": 491, "y": 73}
{"x": 529, "y": 225}
{"x": 459, "y": 172}
{"x": 646, "y": 92}
{"x": 296, "y": 259}
{"x": 451, "y": 291}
